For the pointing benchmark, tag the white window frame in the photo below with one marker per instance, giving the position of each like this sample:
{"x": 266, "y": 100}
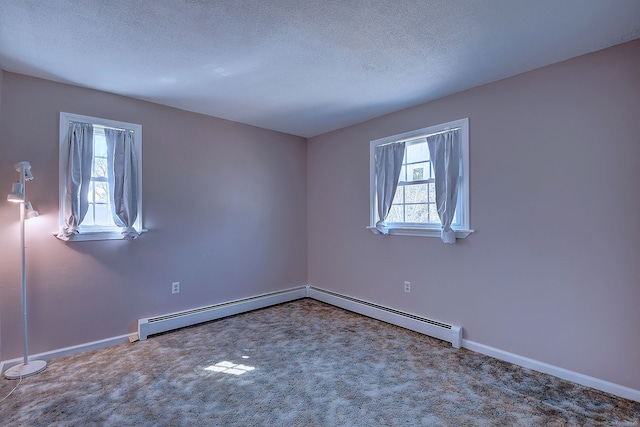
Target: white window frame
{"x": 462, "y": 229}
{"x": 93, "y": 232}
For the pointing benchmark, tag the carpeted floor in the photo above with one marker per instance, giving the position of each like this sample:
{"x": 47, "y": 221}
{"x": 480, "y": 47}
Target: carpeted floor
{"x": 303, "y": 363}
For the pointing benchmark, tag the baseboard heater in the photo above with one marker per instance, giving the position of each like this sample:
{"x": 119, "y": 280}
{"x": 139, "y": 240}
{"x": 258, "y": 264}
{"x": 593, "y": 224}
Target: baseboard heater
{"x": 433, "y": 328}
{"x": 168, "y": 322}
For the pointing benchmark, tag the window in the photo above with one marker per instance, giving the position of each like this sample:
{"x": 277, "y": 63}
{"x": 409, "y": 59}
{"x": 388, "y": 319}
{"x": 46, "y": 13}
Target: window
{"x": 99, "y": 211}
{"x": 101, "y": 214}
{"x": 413, "y": 210}
{"x": 415, "y": 198}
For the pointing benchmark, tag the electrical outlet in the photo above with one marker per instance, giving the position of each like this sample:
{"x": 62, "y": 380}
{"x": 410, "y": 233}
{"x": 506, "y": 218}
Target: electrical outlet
{"x": 175, "y": 288}
{"x": 407, "y": 286}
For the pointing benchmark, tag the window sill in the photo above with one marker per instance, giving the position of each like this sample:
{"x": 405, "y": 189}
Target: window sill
{"x": 98, "y": 235}
{"x": 422, "y": 232}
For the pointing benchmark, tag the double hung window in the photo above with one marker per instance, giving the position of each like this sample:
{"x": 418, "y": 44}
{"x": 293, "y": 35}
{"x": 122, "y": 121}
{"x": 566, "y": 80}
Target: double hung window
{"x": 430, "y": 170}
{"x": 100, "y": 178}
{"x": 99, "y": 203}
{"x": 415, "y": 198}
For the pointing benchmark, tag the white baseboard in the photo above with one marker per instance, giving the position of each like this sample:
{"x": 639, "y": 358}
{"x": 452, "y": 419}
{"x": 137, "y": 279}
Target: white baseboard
{"x": 67, "y": 351}
{"x": 585, "y": 380}
{"x": 565, "y": 374}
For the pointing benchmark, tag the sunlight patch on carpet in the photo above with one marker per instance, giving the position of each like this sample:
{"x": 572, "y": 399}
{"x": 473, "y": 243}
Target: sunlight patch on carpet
{"x": 230, "y": 368}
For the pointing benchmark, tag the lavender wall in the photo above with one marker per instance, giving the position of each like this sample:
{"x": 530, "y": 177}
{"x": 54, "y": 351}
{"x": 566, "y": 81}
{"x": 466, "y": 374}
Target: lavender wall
{"x": 1, "y": 216}
{"x": 556, "y": 144}
{"x": 1, "y": 92}
{"x": 225, "y": 204}
{"x": 552, "y": 272}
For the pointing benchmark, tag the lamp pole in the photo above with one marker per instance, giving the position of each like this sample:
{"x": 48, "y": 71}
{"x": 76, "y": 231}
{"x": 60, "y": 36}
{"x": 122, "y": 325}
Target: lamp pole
{"x": 27, "y": 368}
{"x": 23, "y": 244}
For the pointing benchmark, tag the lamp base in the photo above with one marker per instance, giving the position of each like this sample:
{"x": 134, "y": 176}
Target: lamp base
{"x": 23, "y": 371}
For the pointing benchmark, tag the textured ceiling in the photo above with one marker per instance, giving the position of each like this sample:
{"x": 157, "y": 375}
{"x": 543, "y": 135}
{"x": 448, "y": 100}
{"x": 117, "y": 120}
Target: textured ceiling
{"x": 299, "y": 66}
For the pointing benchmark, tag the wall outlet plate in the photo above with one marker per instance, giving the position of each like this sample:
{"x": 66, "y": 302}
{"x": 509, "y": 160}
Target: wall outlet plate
{"x": 175, "y": 288}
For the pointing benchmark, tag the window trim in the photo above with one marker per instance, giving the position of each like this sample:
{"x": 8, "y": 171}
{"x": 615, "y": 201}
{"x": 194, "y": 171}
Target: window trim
{"x": 463, "y": 229}
{"x": 88, "y": 233}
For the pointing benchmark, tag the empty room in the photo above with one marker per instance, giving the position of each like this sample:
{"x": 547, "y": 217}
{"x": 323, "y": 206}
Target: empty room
{"x": 307, "y": 213}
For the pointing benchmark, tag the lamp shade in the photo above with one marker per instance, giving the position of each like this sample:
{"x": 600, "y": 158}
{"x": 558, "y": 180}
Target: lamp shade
{"x": 17, "y": 193}
{"x": 29, "y": 211}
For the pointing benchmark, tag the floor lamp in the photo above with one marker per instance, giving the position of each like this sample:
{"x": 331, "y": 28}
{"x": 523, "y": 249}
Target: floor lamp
{"x": 17, "y": 195}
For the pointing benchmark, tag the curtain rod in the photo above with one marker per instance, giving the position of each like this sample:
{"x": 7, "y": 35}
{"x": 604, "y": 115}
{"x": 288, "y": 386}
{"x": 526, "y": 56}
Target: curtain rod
{"x": 100, "y": 126}
{"x": 419, "y": 137}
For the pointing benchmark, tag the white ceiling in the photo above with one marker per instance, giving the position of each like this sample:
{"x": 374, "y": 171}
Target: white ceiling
{"x": 299, "y": 66}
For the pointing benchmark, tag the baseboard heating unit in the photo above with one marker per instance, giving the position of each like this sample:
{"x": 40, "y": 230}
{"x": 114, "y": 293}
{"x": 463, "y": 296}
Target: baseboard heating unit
{"x": 433, "y": 328}
{"x": 181, "y": 319}
{"x": 168, "y": 322}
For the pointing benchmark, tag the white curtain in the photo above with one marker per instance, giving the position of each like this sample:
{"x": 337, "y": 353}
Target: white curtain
{"x": 388, "y": 161}
{"x": 444, "y": 149}
{"x": 123, "y": 179}
{"x": 78, "y": 172}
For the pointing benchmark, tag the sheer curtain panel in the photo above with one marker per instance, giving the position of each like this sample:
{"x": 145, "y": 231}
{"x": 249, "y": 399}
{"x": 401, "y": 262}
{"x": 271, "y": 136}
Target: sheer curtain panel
{"x": 388, "y": 161}
{"x": 444, "y": 149}
{"x": 123, "y": 179}
{"x": 78, "y": 178}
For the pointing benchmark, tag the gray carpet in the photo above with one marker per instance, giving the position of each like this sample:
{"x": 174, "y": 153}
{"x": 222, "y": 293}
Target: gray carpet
{"x": 303, "y": 363}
